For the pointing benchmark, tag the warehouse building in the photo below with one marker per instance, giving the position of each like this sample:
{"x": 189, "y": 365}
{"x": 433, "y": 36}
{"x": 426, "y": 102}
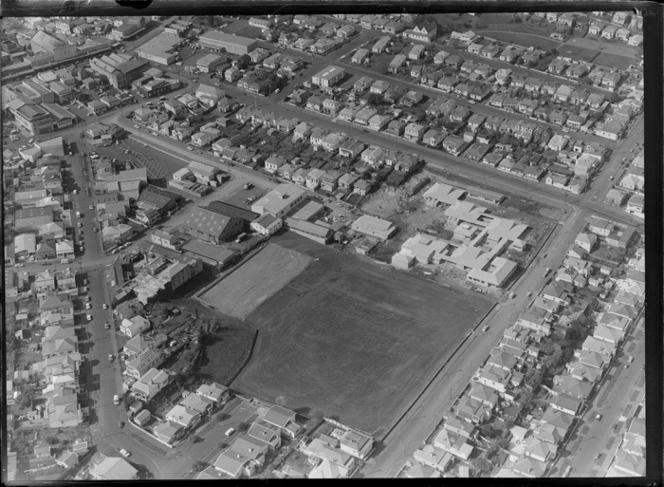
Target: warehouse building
{"x": 211, "y": 225}
{"x": 209, "y": 62}
{"x": 217, "y": 41}
{"x": 119, "y": 69}
{"x": 33, "y": 118}
{"x": 161, "y": 49}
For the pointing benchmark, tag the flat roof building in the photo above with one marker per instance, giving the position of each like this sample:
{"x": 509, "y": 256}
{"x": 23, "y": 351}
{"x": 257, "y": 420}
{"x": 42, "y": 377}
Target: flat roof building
{"x": 374, "y": 227}
{"x": 219, "y": 41}
{"x": 160, "y": 49}
{"x": 280, "y": 200}
{"x": 328, "y": 76}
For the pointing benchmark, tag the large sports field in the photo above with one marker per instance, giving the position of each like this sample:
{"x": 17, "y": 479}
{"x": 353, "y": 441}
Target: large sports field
{"x": 352, "y": 339}
{"x": 255, "y": 281}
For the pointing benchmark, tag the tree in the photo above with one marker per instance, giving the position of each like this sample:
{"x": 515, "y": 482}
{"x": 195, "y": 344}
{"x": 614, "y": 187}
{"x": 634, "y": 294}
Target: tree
{"x": 199, "y": 465}
{"x": 481, "y": 465}
{"x": 374, "y": 99}
{"x": 52, "y": 440}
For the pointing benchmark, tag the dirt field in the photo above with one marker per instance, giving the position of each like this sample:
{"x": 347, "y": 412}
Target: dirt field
{"x": 352, "y": 339}
{"x": 255, "y": 281}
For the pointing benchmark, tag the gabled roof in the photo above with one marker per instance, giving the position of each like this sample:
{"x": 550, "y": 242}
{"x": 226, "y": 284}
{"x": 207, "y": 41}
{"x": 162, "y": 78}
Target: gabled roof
{"x": 279, "y": 415}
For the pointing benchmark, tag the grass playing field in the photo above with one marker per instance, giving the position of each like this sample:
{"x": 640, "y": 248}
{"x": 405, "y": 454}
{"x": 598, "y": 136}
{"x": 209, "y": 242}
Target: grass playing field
{"x": 522, "y": 39}
{"x": 255, "y": 281}
{"x": 578, "y": 53}
{"x": 353, "y": 340}
{"x": 614, "y": 60}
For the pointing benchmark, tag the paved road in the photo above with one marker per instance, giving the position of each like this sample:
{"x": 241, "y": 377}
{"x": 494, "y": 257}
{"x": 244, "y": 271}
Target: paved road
{"x": 428, "y": 411}
{"x": 624, "y": 385}
{"x": 480, "y": 108}
{"x": 419, "y": 423}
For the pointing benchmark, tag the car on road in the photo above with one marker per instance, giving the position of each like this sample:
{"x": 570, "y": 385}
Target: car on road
{"x": 107, "y": 326}
{"x": 250, "y": 200}
{"x": 104, "y": 306}
{"x": 125, "y": 453}
{"x": 19, "y": 265}
{"x": 230, "y": 431}
{"x": 79, "y": 225}
{"x": 598, "y": 417}
{"x": 89, "y": 317}
{"x": 116, "y": 398}
{"x": 248, "y": 186}
{"x": 91, "y": 207}
{"x": 485, "y": 328}
{"x": 111, "y": 357}
{"x": 88, "y": 306}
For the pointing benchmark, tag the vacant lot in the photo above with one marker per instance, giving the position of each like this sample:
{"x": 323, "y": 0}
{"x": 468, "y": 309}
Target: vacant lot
{"x": 353, "y": 340}
{"x": 614, "y": 61}
{"x": 255, "y": 281}
{"x": 578, "y": 53}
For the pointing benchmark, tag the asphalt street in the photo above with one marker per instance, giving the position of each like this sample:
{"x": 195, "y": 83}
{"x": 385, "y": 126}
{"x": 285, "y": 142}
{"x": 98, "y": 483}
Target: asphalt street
{"x": 105, "y": 378}
{"x": 421, "y": 420}
{"x": 590, "y": 455}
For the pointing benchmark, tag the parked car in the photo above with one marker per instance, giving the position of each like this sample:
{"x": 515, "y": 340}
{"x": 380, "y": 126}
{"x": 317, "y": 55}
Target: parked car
{"x": 125, "y": 453}
{"x": 107, "y": 326}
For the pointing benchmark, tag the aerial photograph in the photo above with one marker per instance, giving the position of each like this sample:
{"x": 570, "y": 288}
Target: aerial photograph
{"x": 322, "y": 246}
